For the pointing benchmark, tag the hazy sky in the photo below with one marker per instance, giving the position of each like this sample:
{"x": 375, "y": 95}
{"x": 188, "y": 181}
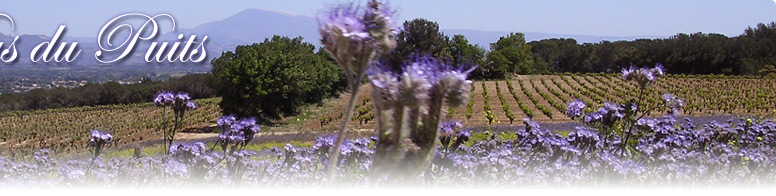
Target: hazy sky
{"x": 583, "y": 17}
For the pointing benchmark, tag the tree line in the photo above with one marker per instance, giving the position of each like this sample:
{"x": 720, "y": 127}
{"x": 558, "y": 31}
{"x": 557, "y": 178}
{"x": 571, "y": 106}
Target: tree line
{"x": 751, "y": 53}
{"x": 109, "y": 93}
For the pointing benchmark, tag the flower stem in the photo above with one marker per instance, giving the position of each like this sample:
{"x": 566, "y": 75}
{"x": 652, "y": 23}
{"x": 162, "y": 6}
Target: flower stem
{"x": 633, "y": 121}
{"x": 164, "y": 129}
{"x": 332, "y": 164}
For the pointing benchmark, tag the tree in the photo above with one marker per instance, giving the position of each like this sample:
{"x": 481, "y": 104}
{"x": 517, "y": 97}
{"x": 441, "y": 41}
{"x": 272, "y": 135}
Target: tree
{"x": 462, "y": 53}
{"x": 547, "y": 52}
{"x": 419, "y": 37}
{"x": 518, "y": 53}
{"x": 495, "y": 67}
{"x": 273, "y": 78}
{"x": 767, "y": 70}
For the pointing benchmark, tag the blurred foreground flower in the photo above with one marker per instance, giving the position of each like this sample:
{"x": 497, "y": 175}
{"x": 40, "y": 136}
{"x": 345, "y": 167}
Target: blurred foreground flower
{"x": 407, "y": 107}
{"x": 354, "y": 38}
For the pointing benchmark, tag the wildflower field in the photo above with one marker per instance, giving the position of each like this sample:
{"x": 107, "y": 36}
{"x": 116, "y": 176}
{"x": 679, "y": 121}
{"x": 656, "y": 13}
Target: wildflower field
{"x": 61, "y": 133}
{"x": 413, "y": 128}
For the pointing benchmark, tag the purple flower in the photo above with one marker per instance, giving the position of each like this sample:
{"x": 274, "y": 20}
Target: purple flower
{"x": 354, "y": 37}
{"x": 644, "y": 77}
{"x": 380, "y": 22}
{"x": 613, "y": 109}
{"x": 627, "y": 73}
{"x": 646, "y": 124}
{"x": 464, "y": 133}
{"x": 175, "y": 168}
{"x": 188, "y": 151}
{"x": 248, "y": 127}
{"x": 97, "y": 141}
{"x": 584, "y": 138}
{"x": 182, "y": 97}
{"x": 448, "y": 128}
{"x": 672, "y": 103}
{"x": 386, "y": 86}
{"x": 606, "y": 115}
{"x": 235, "y": 138}
{"x": 164, "y": 99}
{"x": 236, "y": 132}
{"x": 324, "y": 143}
{"x": 421, "y": 78}
{"x": 180, "y": 102}
{"x": 99, "y": 138}
{"x": 190, "y": 105}
{"x": 226, "y": 120}
{"x": 231, "y": 136}
{"x": 593, "y": 117}
{"x": 289, "y": 148}
{"x": 531, "y": 126}
{"x": 74, "y": 173}
{"x": 575, "y": 108}
{"x": 418, "y": 79}
{"x": 658, "y": 70}
{"x": 458, "y": 86}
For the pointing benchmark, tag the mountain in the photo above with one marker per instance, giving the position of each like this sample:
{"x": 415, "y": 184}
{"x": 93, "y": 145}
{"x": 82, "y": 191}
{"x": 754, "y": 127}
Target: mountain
{"x": 253, "y": 26}
{"x": 26, "y": 43}
{"x": 484, "y": 38}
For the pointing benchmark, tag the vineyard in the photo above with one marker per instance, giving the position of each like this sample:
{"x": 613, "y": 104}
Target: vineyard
{"x": 543, "y": 98}
{"x": 67, "y": 130}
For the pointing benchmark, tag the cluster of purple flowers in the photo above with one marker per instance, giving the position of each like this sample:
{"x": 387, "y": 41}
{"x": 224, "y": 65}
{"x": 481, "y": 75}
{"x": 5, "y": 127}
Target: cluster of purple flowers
{"x": 449, "y": 128}
{"x": 179, "y": 101}
{"x": 605, "y": 116}
{"x": 410, "y": 102}
{"x": 354, "y": 36}
{"x": 452, "y": 136}
{"x": 575, "y": 108}
{"x": 236, "y": 132}
{"x": 97, "y": 141}
{"x": 191, "y": 158}
{"x": 669, "y": 153}
{"x": 424, "y": 82}
{"x": 672, "y": 103}
{"x": 99, "y": 138}
{"x": 643, "y": 76}
{"x": 324, "y": 144}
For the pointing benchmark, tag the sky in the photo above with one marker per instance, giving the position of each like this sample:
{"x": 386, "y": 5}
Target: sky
{"x": 571, "y": 17}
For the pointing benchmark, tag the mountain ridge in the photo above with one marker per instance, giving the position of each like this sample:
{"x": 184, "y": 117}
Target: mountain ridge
{"x": 255, "y": 25}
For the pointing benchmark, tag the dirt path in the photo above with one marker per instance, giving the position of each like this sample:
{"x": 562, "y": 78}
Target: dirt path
{"x": 200, "y": 136}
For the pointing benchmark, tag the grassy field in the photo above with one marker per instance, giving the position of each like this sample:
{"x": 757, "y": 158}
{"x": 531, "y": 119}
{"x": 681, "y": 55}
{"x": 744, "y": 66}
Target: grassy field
{"x": 504, "y": 102}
